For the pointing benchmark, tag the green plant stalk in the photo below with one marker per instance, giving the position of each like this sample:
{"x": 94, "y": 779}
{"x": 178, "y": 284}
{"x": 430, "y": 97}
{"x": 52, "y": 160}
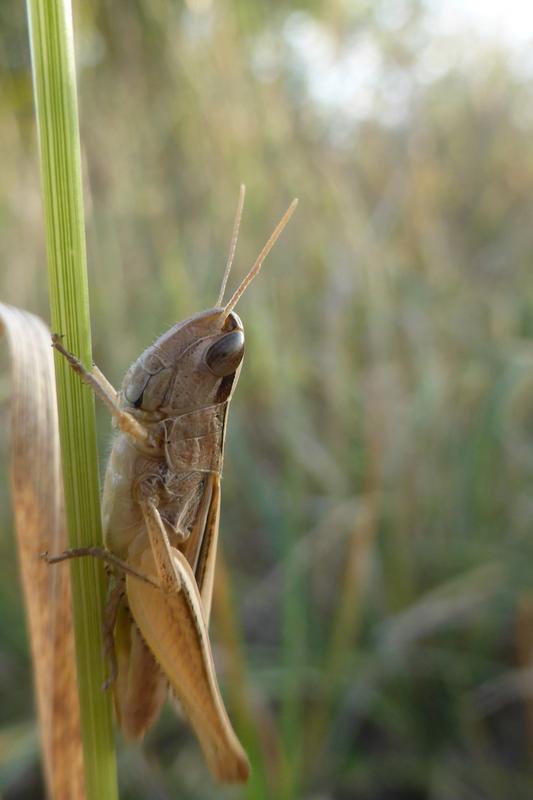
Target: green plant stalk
{"x": 294, "y": 622}
{"x": 54, "y": 78}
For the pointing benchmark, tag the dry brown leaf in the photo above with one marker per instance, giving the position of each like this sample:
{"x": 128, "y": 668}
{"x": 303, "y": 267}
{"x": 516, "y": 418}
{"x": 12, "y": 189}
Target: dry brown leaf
{"x": 37, "y": 497}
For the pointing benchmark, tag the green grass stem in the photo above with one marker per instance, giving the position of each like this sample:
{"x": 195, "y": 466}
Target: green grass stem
{"x": 53, "y": 64}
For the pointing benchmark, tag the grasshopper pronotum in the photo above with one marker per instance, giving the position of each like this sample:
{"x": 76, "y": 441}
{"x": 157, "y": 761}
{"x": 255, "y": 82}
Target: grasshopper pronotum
{"x": 161, "y": 505}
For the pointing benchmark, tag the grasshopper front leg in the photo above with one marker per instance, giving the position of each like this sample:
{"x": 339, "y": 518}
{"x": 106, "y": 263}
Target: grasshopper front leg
{"x": 105, "y": 391}
{"x": 171, "y": 620}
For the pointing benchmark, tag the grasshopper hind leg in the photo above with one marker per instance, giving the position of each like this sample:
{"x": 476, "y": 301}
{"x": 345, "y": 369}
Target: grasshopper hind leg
{"x": 140, "y": 688}
{"x": 111, "y": 611}
{"x": 172, "y": 622}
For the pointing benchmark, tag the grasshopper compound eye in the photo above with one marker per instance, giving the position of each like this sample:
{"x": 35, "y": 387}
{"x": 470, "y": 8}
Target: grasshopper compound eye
{"x": 226, "y": 354}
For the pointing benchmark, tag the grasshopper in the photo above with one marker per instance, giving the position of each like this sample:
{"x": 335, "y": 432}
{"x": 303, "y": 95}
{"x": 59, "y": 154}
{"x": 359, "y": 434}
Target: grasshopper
{"x": 161, "y": 505}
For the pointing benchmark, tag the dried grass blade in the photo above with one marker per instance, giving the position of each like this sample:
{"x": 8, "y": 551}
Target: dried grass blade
{"x": 37, "y": 497}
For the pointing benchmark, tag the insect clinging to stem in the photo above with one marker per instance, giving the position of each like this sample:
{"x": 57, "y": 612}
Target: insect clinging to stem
{"x": 161, "y": 504}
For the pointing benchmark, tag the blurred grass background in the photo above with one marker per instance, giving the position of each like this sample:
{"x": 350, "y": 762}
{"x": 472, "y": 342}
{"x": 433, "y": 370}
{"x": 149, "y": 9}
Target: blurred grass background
{"x": 373, "y": 627}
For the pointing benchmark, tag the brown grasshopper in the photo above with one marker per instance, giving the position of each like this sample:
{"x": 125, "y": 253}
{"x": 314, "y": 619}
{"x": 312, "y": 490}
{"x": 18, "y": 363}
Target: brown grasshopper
{"x": 161, "y": 504}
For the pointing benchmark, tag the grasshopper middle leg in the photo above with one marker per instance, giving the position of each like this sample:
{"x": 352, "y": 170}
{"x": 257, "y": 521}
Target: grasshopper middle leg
{"x": 103, "y": 555}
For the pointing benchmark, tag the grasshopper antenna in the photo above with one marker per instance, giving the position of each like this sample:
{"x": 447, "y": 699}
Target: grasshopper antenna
{"x": 274, "y": 236}
{"x": 233, "y": 243}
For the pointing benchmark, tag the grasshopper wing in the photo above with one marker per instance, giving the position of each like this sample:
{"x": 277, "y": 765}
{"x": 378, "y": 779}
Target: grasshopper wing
{"x": 140, "y": 688}
{"x": 172, "y": 623}
{"x": 201, "y": 547}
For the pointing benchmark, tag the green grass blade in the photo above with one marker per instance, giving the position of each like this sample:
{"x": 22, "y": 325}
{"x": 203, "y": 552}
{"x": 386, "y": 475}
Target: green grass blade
{"x": 52, "y": 49}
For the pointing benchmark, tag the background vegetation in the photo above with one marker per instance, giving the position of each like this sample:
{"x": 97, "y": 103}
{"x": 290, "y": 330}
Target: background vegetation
{"x": 374, "y": 629}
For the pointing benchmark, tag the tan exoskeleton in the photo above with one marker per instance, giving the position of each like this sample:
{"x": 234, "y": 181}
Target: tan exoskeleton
{"x": 161, "y": 505}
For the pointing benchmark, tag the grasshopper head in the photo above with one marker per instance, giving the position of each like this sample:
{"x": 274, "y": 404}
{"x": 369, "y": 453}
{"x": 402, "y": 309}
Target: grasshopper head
{"x": 196, "y": 363}
{"x": 192, "y": 365}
